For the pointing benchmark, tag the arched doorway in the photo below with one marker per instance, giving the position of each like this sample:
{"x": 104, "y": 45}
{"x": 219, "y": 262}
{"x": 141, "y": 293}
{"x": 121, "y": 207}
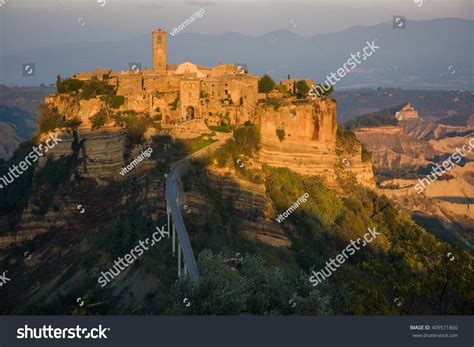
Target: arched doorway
{"x": 189, "y": 113}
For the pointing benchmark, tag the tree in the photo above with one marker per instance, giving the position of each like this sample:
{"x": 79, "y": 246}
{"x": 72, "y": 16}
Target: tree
{"x": 59, "y": 84}
{"x": 322, "y": 90}
{"x": 302, "y": 89}
{"x": 266, "y": 84}
{"x": 252, "y": 287}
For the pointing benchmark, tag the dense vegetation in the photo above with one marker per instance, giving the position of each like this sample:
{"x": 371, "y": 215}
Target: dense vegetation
{"x": 252, "y": 287}
{"x": 85, "y": 89}
{"x": 404, "y": 262}
{"x": 245, "y": 142}
{"x": 51, "y": 120}
{"x": 136, "y": 124}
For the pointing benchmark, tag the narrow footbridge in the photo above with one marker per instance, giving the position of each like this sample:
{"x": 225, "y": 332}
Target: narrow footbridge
{"x": 186, "y": 260}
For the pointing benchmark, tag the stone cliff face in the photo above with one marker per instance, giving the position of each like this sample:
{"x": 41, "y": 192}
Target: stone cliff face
{"x": 393, "y": 149}
{"x": 416, "y": 128}
{"x": 251, "y": 206}
{"x": 412, "y": 144}
{"x": 94, "y": 184}
{"x": 310, "y": 142}
{"x": 415, "y": 144}
{"x": 448, "y": 200}
{"x": 309, "y": 147}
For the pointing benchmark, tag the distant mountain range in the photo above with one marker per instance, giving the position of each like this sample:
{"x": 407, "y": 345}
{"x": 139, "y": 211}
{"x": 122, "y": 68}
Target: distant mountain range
{"x": 431, "y": 54}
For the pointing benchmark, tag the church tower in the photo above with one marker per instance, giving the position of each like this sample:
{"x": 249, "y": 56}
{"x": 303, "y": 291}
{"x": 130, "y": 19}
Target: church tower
{"x": 159, "y": 51}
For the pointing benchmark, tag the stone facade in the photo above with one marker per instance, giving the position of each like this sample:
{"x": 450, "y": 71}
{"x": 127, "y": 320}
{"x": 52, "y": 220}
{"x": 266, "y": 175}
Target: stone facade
{"x": 221, "y": 95}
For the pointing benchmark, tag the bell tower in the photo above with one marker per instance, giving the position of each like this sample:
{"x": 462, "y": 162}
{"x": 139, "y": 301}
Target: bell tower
{"x": 159, "y": 51}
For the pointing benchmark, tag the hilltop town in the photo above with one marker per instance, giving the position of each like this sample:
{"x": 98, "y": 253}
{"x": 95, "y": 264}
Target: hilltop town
{"x": 225, "y": 93}
{"x": 117, "y": 172}
{"x": 187, "y": 99}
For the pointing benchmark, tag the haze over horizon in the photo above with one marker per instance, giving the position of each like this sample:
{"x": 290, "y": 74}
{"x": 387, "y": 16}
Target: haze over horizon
{"x": 61, "y": 21}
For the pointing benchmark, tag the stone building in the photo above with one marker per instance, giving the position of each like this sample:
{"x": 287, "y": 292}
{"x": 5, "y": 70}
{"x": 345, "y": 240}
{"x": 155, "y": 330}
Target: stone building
{"x": 223, "y": 94}
{"x": 193, "y": 91}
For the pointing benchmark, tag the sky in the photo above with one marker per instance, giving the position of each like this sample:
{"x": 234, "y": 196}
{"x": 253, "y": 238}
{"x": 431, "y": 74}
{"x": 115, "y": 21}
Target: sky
{"x": 27, "y": 24}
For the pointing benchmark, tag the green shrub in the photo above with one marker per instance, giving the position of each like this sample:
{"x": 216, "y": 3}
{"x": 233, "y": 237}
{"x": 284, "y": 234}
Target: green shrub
{"x": 72, "y": 85}
{"x": 246, "y": 141}
{"x": 99, "y": 119}
{"x": 221, "y": 128}
{"x": 280, "y": 134}
{"x": 95, "y": 87}
{"x": 49, "y": 120}
{"x": 258, "y": 288}
{"x": 113, "y": 101}
{"x": 347, "y": 142}
{"x": 136, "y": 124}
